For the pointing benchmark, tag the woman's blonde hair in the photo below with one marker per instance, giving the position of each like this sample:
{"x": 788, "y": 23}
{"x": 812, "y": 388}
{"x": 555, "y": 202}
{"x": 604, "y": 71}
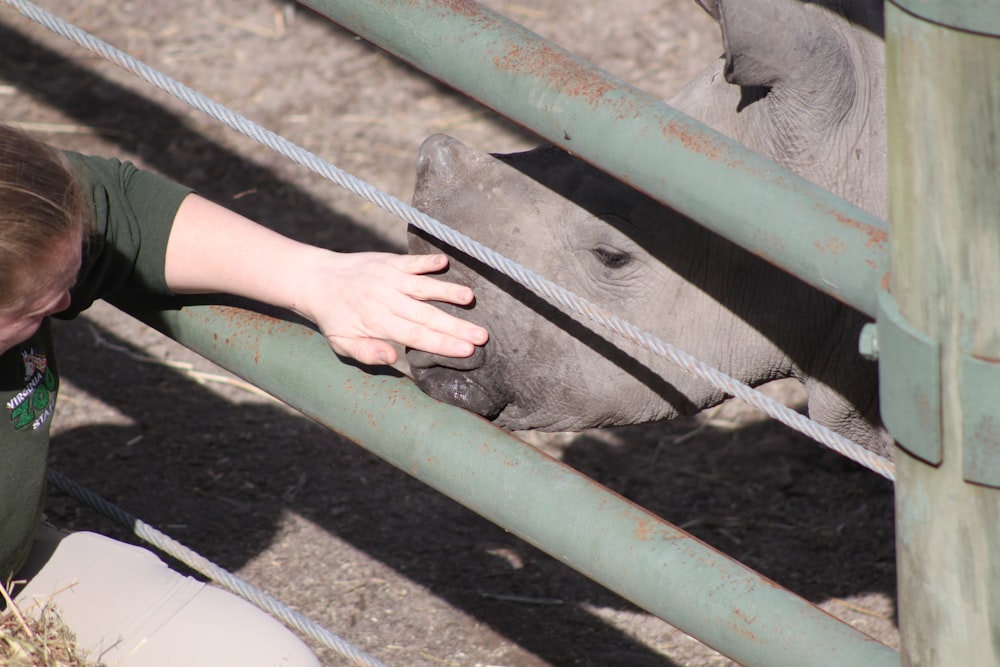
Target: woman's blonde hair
{"x": 41, "y": 201}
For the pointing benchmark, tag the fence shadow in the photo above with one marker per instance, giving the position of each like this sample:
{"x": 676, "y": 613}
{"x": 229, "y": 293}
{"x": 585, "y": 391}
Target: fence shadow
{"x": 221, "y": 476}
{"x": 774, "y": 499}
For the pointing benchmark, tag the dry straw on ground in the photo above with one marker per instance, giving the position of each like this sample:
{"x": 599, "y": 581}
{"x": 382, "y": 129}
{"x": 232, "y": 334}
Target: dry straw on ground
{"x": 36, "y": 639}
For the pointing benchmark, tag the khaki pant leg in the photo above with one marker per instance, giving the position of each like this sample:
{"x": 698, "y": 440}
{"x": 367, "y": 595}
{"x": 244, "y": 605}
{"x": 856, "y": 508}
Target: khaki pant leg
{"x": 128, "y": 608}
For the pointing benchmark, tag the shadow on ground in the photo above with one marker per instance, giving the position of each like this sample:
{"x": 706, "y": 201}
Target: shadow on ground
{"x": 219, "y": 476}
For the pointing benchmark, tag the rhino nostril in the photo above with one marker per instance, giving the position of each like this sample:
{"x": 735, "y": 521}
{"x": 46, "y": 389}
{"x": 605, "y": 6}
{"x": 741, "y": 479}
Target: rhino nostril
{"x": 421, "y": 359}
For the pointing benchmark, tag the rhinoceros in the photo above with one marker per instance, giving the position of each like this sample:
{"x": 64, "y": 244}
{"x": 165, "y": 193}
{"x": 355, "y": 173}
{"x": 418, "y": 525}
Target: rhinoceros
{"x": 799, "y": 82}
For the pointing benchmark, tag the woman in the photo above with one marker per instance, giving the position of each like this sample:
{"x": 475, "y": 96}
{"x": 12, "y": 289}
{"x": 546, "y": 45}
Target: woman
{"x": 74, "y": 229}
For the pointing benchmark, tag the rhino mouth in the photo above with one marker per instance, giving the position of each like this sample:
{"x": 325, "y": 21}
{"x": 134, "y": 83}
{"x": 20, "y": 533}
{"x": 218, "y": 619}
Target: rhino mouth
{"x": 457, "y": 388}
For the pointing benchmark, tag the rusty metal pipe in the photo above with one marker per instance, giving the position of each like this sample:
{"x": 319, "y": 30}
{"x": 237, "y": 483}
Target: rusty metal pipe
{"x": 562, "y": 512}
{"x": 765, "y": 208}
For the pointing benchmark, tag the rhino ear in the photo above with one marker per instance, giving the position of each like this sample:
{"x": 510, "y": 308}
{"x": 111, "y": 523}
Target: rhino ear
{"x": 772, "y": 42}
{"x": 710, "y": 6}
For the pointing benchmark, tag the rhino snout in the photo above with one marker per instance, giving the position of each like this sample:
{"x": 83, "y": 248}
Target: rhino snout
{"x": 452, "y": 380}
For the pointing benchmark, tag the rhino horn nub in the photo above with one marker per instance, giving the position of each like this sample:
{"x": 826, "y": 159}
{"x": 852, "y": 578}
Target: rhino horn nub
{"x": 437, "y": 157}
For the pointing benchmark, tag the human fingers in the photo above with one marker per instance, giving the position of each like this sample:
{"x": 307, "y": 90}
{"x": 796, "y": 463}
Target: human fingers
{"x": 377, "y": 351}
{"x": 427, "y": 263}
{"x": 407, "y": 322}
{"x": 427, "y": 288}
{"x": 370, "y": 351}
{"x": 431, "y": 326}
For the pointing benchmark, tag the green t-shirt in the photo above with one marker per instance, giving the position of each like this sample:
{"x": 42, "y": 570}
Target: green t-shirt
{"x": 133, "y": 214}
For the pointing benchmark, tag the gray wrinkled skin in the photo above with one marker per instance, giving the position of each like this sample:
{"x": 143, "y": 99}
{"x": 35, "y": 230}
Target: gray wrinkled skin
{"x": 798, "y": 82}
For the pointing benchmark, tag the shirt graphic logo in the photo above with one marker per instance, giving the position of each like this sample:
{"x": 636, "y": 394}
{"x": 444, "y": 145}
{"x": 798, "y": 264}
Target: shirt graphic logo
{"x": 33, "y": 362}
{"x": 33, "y": 405}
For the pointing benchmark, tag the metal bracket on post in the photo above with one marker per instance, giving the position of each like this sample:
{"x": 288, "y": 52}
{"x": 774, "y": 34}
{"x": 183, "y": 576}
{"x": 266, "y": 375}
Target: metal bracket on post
{"x": 973, "y": 15}
{"x": 980, "y": 421}
{"x": 911, "y": 407}
{"x": 911, "y": 403}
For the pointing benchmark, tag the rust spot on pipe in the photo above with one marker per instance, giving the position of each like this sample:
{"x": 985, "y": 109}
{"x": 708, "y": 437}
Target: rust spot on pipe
{"x": 877, "y": 238}
{"x": 557, "y": 68}
{"x": 744, "y": 628}
{"x": 460, "y": 7}
{"x": 643, "y": 529}
{"x": 696, "y": 142}
{"x": 832, "y": 246}
{"x": 774, "y": 241}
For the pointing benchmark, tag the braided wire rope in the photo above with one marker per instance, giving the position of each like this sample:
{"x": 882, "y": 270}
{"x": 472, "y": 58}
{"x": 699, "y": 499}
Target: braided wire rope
{"x": 218, "y": 574}
{"x": 548, "y": 290}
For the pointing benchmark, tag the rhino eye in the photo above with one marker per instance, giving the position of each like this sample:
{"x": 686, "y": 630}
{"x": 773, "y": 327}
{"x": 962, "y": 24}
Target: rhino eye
{"x": 613, "y": 259}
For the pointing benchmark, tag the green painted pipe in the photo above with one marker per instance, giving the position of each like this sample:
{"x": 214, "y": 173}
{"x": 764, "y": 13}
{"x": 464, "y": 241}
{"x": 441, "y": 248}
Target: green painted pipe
{"x": 765, "y": 208}
{"x": 562, "y": 512}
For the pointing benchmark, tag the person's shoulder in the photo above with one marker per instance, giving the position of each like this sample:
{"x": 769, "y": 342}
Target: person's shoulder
{"x": 94, "y": 167}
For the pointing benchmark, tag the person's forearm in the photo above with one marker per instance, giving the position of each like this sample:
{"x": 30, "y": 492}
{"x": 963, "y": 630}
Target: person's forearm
{"x": 213, "y": 249}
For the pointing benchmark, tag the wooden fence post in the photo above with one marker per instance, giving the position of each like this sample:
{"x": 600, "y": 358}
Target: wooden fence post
{"x": 941, "y": 326}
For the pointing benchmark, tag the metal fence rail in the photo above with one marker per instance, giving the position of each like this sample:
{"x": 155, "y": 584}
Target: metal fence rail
{"x": 569, "y": 516}
{"x": 634, "y": 136}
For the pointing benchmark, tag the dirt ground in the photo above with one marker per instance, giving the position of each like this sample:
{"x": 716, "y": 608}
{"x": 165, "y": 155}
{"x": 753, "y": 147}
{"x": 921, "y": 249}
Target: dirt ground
{"x": 366, "y": 551}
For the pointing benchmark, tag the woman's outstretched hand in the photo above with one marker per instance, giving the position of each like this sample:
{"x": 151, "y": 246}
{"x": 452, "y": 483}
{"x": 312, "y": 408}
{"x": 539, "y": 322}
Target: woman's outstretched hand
{"x": 364, "y": 301}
